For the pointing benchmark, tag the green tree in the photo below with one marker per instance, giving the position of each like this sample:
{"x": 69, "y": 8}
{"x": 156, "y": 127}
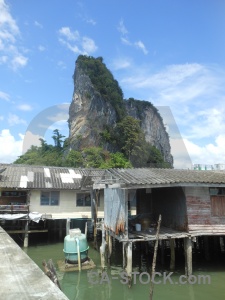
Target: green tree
{"x": 128, "y": 134}
{"x": 58, "y": 139}
{"x": 74, "y": 159}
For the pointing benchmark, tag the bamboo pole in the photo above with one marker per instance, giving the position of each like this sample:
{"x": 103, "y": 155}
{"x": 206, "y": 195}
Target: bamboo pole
{"x": 154, "y": 258}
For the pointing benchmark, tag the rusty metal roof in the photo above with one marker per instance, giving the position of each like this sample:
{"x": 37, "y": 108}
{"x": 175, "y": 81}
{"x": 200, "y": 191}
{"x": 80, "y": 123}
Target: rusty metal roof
{"x": 45, "y": 177}
{"x": 154, "y": 177}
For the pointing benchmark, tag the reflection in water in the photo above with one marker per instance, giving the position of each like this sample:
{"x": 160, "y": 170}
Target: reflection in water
{"x": 76, "y": 285}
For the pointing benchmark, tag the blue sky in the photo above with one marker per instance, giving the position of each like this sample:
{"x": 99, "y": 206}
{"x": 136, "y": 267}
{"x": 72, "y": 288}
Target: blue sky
{"x": 168, "y": 52}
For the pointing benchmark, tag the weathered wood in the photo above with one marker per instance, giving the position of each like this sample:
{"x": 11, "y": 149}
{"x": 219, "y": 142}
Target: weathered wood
{"x": 50, "y": 272}
{"x": 26, "y": 235}
{"x": 154, "y": 258}
{"x": 206, "y": 248}
{"x": 109, "y": 248}
{"x": 172, "y": 254}
{"x": 128, "y": 268}
{"x": 188, "y": 256}
{"x": 102, "y": 248}
{"x": 162, "y": 248}
{"x": 24, "y": 231}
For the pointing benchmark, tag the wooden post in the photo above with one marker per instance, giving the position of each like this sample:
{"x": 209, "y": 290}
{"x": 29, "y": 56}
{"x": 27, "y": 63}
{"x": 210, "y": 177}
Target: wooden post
{"x": 206, "y": 248}
{"x": 129, "y": 262}
{"x": 172, "y": 254}
{"x": 154, "y": 258}
{"x": 60, "y": 230}
{"x": 188, "y": 256}
{"x": 26, "y": 235}
{"x": 67, "y": 226}
{"x": 124, "y": 255}
{"x": 109, "y": 248}
{"x": 94, "y": 214}
{"x": 162, "y": 247}
{"x": 85, "y": 231}
{"x": 102, "y": 248}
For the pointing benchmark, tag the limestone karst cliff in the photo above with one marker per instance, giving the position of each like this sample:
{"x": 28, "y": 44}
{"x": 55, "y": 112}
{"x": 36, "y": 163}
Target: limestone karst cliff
{"x": 93, "y": 109}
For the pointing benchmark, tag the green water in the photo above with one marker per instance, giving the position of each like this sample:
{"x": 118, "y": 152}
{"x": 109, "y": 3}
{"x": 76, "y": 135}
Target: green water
{"x": 76, "y": 285}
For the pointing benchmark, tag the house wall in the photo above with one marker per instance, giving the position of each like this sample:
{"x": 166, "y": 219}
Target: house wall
{"x": 199, "y": 214}
{"x": 115, "y": 209}
{"x": 67, "y": 206}
{"x": 170, "y": 203}
{"x": 6, "y": 200}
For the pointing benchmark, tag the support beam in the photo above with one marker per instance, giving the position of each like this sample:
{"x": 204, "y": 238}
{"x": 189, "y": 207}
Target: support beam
{"x": 26, "y": 235}
{"x": 162, "y": 248}
{"x": 129, "y": 262}
{"x": 206, "y": 248}
{"x": 188, "y": 256}
{"x": 172, "y": 254}
{"x": 68, "y": 226}
{"x": 102, "y": 248}
{"x": 109, "y": 248}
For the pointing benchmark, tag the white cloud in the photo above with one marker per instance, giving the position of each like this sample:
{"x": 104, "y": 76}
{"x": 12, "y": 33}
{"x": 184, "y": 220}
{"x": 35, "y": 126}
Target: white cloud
{"x": 41, "y": 48}
{"x": 9, "y": 34}
{"x": 121, "y": 27}
{"x": 91, "y": 21}
{"x": 61, "y": 64}
{"x": 211, "y": 153}
{"x": 15, "y": 120}
{"x": 76, "y": 43}
{"x": 68, "y": 34}
{"x": 140, "y": 45}
{"x": 1, "y": 118}
{"x": 36, "y": 23}
{"x": 4, "y": 96}
{"x": 88, "y": 45}
{"x": 18, "y": 61}
{"x": 25, "y": 107}
{"x": 10, "y": 147}
{"x": 125, "y": 40}
{"x": 121, "y": 63}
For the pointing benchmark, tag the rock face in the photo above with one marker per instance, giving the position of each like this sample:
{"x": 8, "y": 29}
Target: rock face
{"x": 90, "y": 114}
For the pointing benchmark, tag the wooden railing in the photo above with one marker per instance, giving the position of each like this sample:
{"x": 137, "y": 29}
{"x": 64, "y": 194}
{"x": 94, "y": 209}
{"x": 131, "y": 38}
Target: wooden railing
{"x": 14, "y": 208}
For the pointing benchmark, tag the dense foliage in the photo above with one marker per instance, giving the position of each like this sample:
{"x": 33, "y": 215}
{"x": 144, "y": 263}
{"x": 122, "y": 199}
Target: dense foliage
{"x": 60, "y": 155}
{"x": 135, "y": 151}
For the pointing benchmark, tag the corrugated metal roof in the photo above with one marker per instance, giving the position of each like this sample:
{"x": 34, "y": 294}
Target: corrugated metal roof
{"x": 148, "y": 176}
{"x": 42, "y": 177}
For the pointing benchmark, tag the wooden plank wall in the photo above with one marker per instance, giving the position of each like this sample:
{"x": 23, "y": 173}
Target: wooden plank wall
{"x": 199, "y": 214}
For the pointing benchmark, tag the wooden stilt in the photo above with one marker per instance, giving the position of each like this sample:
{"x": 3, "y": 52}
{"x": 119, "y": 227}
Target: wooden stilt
{"x": 206, "y": 248}
{"x": 188, "y": 256}
{"x": 172, "y": 254}
{"x": 162, "y": 248}
{"x": 154, "y": 258}
{"x": 86, "y": 228}
{"x": 26, "y": 235}
{"x": 109, "y": 248}
{"x": 124, "y": 256}
{"x": 67, "y": 226}
{"x": 60, "y": 230}
{"x": 129, "y": 262}
{"x": 102, "y": 248}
